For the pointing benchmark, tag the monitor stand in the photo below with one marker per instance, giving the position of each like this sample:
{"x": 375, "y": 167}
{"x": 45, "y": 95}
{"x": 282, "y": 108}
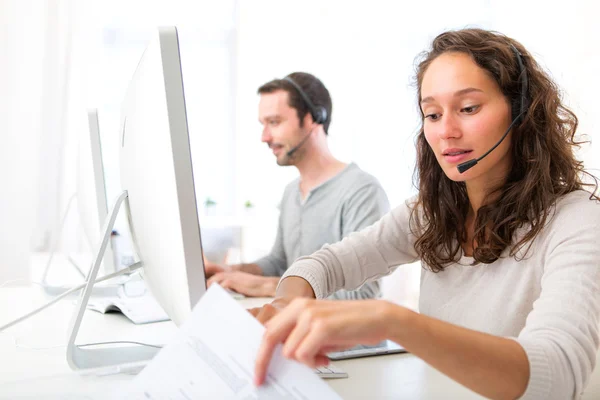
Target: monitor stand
{"x": 79, "y": 357}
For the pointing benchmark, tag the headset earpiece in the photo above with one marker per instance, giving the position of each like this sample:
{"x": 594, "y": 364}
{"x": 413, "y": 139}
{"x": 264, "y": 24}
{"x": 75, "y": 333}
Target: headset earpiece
{"x": 321, "y": 115}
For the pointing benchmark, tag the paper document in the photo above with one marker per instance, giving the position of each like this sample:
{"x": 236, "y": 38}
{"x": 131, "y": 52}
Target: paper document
{"x": 140, "y": 310}
{"x": 213, "y": 356}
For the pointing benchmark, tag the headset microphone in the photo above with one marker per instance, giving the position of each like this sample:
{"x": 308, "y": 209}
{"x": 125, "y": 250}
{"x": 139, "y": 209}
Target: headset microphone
{"x": 467, "y": 165}
{"x": 295, "y": 148}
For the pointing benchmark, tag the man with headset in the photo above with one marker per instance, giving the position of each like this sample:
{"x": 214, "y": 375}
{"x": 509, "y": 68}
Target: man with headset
{"x": 327, "y": 202}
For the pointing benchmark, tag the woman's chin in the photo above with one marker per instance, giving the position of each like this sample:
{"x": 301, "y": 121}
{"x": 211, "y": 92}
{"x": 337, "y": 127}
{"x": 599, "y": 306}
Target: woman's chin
{"x": 455, "y": 176}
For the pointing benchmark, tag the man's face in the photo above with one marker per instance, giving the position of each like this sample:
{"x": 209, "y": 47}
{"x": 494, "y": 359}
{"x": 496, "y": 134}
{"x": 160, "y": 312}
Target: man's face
{"x": 281, "y": 126}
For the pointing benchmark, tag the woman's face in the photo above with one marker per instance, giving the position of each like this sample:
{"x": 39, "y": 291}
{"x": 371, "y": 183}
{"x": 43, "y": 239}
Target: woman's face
{"x": 465, "y": 116}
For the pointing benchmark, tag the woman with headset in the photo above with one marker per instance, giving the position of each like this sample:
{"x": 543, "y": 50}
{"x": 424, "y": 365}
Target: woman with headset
{"x": 508, "y": 238}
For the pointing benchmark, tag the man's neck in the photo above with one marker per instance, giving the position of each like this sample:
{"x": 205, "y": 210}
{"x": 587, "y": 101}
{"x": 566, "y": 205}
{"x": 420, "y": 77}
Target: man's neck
{"x": 317, "y": 169}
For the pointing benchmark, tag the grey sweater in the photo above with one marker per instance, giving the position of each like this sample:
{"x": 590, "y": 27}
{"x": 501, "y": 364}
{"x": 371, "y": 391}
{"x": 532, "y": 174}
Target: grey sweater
{"x": 548, "y": 301}
{"x": 348, "y": 202}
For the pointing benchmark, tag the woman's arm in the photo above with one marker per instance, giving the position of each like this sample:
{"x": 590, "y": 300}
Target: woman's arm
{"x": 492, "y": 366}
{"x": 289, "y": 289}
{"x": 552, "y": 357}
{"x": 294, "y": 287}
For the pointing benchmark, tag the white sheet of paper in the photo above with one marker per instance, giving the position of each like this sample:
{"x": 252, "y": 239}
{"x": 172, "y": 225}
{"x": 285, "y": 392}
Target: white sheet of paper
{"x": 140, "y": 310}
{"x": 213, "y": 356}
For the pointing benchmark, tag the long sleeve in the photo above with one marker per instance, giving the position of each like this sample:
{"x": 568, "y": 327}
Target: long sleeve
{"x": 561, "y": 332}
{"x": 547, "y": 298}
{"x": 365, "y": 255}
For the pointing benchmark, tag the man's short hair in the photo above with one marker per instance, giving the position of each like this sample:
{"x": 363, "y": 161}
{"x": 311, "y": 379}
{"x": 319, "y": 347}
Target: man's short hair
{"x": 312, "y": 87}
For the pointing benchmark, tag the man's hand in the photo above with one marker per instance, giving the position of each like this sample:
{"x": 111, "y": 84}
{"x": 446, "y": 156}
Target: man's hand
{"x": 211, "y": 268}
{"x": 268, "y": 311}
{"x": 246, "y": 284}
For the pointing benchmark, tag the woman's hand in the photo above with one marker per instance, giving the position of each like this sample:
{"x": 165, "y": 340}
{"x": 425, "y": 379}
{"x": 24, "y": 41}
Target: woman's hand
{"x": 310, "y": 329}
{"x": 290, "y": 288}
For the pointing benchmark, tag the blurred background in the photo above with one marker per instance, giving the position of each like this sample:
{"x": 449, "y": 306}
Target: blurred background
{"x": 61, "y": 57}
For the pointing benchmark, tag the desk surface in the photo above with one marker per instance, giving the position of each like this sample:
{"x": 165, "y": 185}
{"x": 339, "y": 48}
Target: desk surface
{"x": 36, "y": 348}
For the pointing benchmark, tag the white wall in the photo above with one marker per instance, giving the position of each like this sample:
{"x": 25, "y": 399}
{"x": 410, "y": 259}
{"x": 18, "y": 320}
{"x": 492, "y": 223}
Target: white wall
{"x": 565, "y": 38}
{"x": 19, "y": 132}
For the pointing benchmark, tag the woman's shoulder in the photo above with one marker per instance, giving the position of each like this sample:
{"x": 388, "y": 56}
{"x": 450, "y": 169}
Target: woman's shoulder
{"x": 403, "y": 213}
{"x": 578, "y": 203}
{"x": 577, "y": 209}
{"x": 407, "y": 206}
{"x": 573, "y": 215}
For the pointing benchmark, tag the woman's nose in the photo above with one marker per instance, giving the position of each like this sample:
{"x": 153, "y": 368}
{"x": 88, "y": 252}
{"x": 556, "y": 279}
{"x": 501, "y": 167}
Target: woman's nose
{"x": 449, "y": 127}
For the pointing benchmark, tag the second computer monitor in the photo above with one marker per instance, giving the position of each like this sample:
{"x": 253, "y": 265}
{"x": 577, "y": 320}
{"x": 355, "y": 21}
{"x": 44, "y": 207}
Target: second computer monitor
{"x": 92, "y": 202}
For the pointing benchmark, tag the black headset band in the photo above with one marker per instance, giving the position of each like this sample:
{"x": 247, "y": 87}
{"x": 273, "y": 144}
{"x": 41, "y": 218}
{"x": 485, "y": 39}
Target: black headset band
{"x": 523, "y": 79}
{"x": 313, "y": 110}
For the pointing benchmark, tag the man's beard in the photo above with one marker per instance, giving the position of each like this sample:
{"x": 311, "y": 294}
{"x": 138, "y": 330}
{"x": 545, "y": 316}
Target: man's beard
{"x": 284, "y": 160}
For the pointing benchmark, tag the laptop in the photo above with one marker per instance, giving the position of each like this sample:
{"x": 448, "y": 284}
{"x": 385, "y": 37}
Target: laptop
{"x": 381, "y": 348}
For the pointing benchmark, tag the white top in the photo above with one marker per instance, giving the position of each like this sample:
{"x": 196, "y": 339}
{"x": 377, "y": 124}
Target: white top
{"x": 548, "y": 301}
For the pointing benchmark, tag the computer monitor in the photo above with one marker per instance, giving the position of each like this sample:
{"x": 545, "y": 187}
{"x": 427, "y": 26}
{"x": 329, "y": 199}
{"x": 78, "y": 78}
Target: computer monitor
{"x": 156, "y": 171}
{"x": 159, "y": 197}
{"x": 92, "y": 202}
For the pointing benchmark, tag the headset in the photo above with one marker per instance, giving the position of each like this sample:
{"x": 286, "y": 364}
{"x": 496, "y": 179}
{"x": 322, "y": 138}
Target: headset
{"x": 524, "y": 82}
{"x": 319, "y": 113}
{"x": 522, "y": 110}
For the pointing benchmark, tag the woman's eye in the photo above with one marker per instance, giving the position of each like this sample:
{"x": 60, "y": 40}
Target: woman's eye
{"x": 433, "y": 117}
{"x": 470, "y": 109}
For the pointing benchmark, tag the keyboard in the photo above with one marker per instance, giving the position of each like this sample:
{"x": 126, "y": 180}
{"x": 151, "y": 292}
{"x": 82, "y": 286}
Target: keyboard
{"x": 235, "y": 295}
{"x": 330, "y": 372}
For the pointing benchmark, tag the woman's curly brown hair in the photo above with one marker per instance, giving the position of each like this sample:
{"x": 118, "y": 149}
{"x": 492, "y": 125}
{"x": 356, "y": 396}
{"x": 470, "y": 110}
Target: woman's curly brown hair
{"x": 544, "y": 165}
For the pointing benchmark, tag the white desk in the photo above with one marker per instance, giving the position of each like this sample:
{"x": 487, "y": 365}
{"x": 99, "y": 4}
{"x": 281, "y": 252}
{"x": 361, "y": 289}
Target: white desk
{"x": 394, "y": 376}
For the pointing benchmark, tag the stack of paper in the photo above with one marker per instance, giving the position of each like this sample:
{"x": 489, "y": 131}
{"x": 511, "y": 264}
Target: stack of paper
{"x": 213, "y": 356}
